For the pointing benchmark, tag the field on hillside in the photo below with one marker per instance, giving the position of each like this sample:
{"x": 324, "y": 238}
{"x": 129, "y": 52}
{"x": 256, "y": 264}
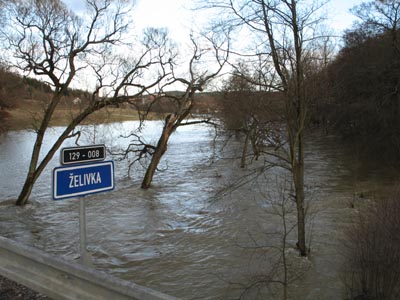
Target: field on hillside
{"x": 29, "y": 113}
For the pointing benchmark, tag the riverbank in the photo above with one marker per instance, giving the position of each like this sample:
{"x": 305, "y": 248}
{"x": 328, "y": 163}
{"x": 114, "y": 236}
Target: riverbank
{"x": 29, "y": 116}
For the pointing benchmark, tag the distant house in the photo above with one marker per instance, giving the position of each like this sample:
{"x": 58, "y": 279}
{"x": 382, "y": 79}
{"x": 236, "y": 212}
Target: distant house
{"x": 77, "y": 100}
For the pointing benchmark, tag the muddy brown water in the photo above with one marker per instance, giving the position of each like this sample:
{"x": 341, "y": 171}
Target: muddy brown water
{"x": 184, "y": 236}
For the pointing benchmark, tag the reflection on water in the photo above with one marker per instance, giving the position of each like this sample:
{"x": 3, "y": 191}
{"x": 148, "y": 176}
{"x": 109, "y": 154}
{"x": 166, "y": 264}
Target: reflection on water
{"x": 177, "y": 237}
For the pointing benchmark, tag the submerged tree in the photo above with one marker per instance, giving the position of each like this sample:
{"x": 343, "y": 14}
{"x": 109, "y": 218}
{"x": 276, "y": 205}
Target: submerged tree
{"x": 371, "y": 251}
{"x": 286, "y": 36}
{"x": 52, "y": 43}
{"x": 181, "y": 104}
{"x": 246, "y": 110}
{"x": 362, "y": 83}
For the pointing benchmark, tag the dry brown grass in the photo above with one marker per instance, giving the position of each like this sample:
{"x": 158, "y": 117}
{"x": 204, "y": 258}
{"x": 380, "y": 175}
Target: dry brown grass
{"x": 29, "y": 114}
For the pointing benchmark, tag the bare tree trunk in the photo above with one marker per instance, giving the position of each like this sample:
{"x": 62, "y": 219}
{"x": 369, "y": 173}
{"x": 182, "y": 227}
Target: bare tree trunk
{"x": 300, "y": 120}
{"x": 244, "y": 152}
{"x": 159, "y": 151}
{"x": 31, "y": 177}
{"x": 59, "y": 41}
{"x": 184, "y": 104}
{"x": 36, "y": 169}
{"x": 254, "y": 144}
{"x": 33, "y": 173}
{"x": 26, "y": 189}
{"x": 299, "y": 184}
{"x": 298, "y": 180}
{"x": 283, "y": 250}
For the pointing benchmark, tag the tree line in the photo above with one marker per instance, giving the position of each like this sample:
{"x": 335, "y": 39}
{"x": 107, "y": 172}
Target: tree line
{"x": 360, "y": 87}
{"x": 353, "y": 93}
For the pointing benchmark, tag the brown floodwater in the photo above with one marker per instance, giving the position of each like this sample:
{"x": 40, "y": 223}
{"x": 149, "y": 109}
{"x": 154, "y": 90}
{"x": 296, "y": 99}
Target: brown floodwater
{"x": 192, "y": 235}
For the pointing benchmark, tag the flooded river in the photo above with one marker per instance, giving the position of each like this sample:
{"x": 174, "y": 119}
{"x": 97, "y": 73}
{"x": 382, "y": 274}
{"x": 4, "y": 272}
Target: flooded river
{"x": 186, "y": 236}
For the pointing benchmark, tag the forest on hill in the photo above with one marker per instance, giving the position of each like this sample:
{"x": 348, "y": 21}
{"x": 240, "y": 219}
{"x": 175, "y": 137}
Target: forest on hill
{"x": 23, "y": 96}
{"x": 20, "y": 93}
{"x": 360, "y": 97}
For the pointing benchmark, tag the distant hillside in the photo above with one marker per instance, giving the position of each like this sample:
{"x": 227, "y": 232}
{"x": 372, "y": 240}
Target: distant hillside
{"x": 15, "y": 89}
{"x": 23, "y": 99}
{"x": 205, "y": 102}
{"x": 21, "y": 93}
{"x": 12, "y": 90}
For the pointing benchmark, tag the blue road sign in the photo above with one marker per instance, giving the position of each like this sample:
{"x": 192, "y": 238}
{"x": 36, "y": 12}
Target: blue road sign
{"x": 80, "y": 180}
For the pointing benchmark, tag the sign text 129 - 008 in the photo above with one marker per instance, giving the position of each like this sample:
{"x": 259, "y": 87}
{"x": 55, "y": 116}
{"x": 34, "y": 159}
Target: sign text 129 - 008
{"x": 76, "y": 155}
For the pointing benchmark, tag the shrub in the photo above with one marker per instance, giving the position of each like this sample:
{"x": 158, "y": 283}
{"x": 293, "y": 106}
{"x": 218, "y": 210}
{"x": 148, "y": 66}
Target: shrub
{"x": 372, "y": 255}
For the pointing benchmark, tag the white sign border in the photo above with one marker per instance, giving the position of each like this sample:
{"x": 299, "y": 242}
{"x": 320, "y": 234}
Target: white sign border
{"x": 73, "y": 195}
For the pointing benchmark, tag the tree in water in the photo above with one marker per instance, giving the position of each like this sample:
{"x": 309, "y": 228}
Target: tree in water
{"x": 246, "y": 110}
{"x": 286, "y": 35}
{"x": 362, "y": 83}
{"x": 51, "y": 42}
{"x": 180, "y": 103}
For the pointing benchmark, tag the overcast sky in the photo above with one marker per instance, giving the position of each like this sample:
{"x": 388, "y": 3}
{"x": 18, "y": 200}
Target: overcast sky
{"x": 179, "y": 19}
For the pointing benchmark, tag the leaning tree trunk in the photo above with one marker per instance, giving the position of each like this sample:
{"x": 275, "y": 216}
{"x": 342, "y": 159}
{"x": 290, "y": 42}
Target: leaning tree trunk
{"x": 36, "y": 169}
{"x": 33, "y": 174}
{"x": 161, "y": 147}
{"x": 26, "y": 189}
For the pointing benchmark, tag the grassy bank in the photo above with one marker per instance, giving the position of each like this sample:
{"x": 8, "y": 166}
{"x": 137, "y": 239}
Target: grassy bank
{"x": 29, "y": 116}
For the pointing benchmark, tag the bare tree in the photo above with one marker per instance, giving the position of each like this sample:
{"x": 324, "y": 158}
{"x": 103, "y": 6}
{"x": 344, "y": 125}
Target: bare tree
{"x": 380, "y": 16}
{"x": 286, "y": 34}
{"x": 181, "y": 103}
{"x": 371, "y": 264}
{"x": 281, "y": 266}
{"x": 54, "y": 44}
{"x": 245, "y": 110}
{"x": 361, "y": 85}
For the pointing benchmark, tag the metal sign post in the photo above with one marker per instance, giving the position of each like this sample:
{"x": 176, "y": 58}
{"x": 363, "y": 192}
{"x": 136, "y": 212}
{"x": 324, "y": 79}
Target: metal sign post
{"x": 85, "y": 258}
{"x": 88, "y": 174}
